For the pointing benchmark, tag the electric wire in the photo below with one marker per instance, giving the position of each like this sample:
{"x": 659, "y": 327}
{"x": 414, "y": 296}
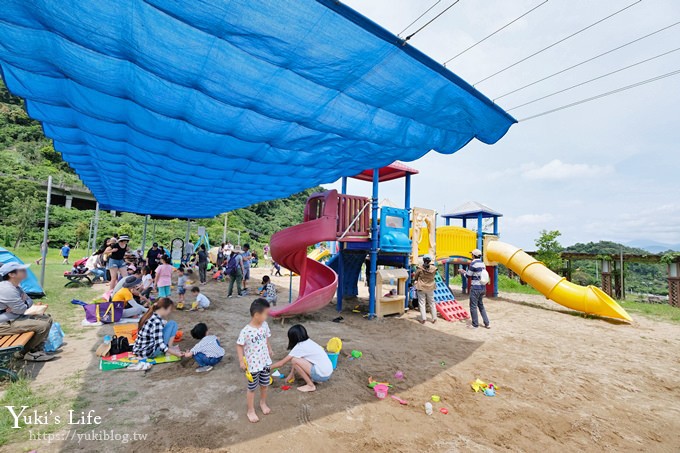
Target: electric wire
{"x": 585, "y": 61}
{"x": 433, "y": 19}
{"x": 489, "y": 36}
{"x": 419, "y": 17}
{"x": 594, "y": 79}
{"x": 558, "y": 42}
{"x": 602, "y": 95}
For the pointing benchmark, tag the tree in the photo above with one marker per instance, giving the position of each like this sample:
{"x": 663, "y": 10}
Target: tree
{"x": 549, "y": 250}
{"x": 23, "y": 216}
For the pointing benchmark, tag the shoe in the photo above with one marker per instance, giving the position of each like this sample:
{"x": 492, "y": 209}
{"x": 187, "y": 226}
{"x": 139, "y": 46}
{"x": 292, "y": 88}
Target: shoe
{"x": 487, "y": 327}
{"x": 38, "y": 357}
{"x": 204, "y": 369}
{"x": 141, "y": 366}
{"x": 229, "y": 296}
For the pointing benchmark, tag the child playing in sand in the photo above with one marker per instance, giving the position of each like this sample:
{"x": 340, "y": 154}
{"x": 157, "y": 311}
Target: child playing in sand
{"x": 201, "y": 302}
{"x": 208, "y": 352}
{"x": 182, "y": 284}
{"x": 147, "y": 282}
{"x": 253, "y": 346}
{"x": 310, "y": 361}
{"x": 164, "y": 276}
{"x": 268, "y": 290}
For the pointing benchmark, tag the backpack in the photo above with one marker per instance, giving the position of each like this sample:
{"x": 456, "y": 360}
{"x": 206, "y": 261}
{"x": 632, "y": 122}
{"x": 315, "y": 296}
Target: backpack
{"x": 231, "y": 266}
{"x": 484, "y": 278}
{"x": 119, "y": 345}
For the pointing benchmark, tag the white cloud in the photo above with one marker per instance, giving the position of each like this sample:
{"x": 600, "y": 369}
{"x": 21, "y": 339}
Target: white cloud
{"x": 529, "y": 220}
{"x": 558, "y": 170}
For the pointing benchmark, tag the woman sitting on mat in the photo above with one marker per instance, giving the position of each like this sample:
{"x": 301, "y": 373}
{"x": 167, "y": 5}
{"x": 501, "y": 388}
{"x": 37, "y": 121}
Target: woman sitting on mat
{"x": 127, "y": 294}
{"x": 310, "y": 361}
{"x": 156, "y": 334}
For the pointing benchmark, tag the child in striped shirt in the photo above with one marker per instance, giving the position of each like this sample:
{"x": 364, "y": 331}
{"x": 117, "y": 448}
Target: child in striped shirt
{"x": 207, "y": 352}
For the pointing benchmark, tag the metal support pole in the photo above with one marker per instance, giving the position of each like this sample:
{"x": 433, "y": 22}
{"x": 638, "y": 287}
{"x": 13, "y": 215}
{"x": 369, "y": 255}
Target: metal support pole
{"x": 407, "y": 261}
{"x": 343, "y": 189}
{"x": 89, "y": 238}
{"x": 290, "y": 286}
{"x": 495, "y": 269}
{"x": 187, "y": 235}
{"x": 341, "y": 271}
{"x": 47, "y": 225}
{"x": 146, "y": 225}
{"x": 374, "y": 246}
{"x": 239, "y": 239}
{"x": 224, "y": 231}
{"x": 95, "y": 228}
{"x": 153, "y": 231}
{"x": 448, "y": 221}
{"x": 623, "y": 285}
{"x": 480, "y": 233}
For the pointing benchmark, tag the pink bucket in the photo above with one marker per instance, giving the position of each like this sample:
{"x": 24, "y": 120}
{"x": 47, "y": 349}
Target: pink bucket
{"x": 381, "y": 391}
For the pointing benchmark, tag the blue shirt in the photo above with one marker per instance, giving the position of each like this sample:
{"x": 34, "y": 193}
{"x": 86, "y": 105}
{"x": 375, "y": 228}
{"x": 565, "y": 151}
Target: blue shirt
{"x": 65, "y": 250}
{"x": 246, "y": 259}
{"x": 474, "y": 272}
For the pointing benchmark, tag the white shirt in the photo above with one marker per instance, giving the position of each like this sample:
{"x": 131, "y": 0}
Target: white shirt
{"x": 202, "y": 300}
{"x": 315, "y": 354}
{"x": 147, "y": 280}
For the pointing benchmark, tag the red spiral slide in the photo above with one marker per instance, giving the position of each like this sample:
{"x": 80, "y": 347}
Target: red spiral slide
{"x": 318, "y": 282}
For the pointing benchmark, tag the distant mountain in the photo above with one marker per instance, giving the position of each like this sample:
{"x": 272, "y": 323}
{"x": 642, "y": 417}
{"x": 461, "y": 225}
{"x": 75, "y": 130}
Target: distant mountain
{"x": 653, "y": 246}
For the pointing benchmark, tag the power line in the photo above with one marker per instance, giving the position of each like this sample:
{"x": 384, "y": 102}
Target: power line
{"x": 557, "y": 42}
{"x": 435, "y": 18}
{"x": 420, "y": 17}
{"x": 594, "y": 79}
{"x": 599, "y": 96}
{"x": 489, "y": 36}
{"x": 586, "y": 61}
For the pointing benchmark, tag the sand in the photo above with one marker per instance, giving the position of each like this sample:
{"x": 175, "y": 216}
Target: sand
{"x": 566, "y": 383}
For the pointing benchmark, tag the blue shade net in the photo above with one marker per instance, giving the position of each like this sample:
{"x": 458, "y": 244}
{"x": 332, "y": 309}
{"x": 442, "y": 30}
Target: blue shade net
{"x": 192, "y": 108}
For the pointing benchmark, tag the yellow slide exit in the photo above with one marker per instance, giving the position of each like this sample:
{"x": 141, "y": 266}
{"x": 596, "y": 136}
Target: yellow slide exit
{"x": 587, "y": 299}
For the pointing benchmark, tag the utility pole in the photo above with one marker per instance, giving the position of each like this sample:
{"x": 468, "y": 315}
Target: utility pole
{"x": 224, "y": 232}
{"x": 43, "y": 250}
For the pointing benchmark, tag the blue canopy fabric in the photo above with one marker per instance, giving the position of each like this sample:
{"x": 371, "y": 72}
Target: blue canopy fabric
{"x": 30, "y": 285}
{"x": 190, "y": 109}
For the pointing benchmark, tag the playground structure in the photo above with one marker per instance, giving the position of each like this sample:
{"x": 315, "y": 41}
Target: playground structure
{"x": 396, "y": 238}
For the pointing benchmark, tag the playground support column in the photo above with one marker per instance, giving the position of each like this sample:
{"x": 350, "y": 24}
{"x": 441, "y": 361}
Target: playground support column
{"x": 43, "y": 250}
{"x": 339, "y": 294}
{"x": 343, "y": 189}
{"x": 95, "y": 227}
{"x": 146, "y": 225}
{"x": 480, "y": 234}
{"x": 495, "y": 268}
{"x": 407, "y": 206}
{"x": 374, "y": 246}
{"x": 187, "y": 235}
{"x": 224, "y": 231}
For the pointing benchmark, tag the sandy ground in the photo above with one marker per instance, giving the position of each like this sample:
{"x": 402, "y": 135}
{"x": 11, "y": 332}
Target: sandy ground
{"x": 567, "y": 383}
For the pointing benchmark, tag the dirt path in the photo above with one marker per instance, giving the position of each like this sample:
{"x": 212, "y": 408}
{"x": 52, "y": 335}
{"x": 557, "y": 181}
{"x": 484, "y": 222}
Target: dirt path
{"x": 567, "y": 383}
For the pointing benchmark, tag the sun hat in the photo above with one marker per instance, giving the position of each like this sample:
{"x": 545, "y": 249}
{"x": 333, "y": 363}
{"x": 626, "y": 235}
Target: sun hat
{"x": 131, "y": 281}
{"x": 476, "y": 252}
{"x": 427, "y": 258}
{"x": 11, "y": 267}
{"x": 124, "y": 237}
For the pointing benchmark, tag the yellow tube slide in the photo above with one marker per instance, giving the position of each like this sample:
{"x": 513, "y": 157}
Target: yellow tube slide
{"x": 588, "y": 299}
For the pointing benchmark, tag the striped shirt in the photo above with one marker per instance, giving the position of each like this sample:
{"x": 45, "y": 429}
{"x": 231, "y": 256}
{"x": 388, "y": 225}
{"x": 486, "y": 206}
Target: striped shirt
{"x": 474, "y": 272}
{"x": 210, "y": 346}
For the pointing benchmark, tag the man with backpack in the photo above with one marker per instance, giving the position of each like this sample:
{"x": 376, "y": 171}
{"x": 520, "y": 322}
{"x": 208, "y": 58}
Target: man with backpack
{"x": 477, "y": 280}
{"x": 234, "y": 271}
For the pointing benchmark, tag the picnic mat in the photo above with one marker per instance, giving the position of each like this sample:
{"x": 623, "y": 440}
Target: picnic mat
{"x": 127, "y": 357}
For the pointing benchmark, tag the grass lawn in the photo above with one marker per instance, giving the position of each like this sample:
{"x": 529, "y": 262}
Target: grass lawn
{"x": 663, "y": 312}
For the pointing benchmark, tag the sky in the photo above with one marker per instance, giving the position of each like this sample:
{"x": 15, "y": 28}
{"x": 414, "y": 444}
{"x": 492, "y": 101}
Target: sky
{"x": 603, "y": 170}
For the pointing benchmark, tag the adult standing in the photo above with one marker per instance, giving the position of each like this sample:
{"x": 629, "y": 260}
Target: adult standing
{"x": 425, "y": 284}
{"x": 202, "y": 258}
{"x": 153, "y": 257}
{"x": 477, "y": 289}
{"x": 188, "y": 250}
{"x": 266, "y": 251}
{"x": 235, "y": 272}
{"x": 117, "y": 265}
{"x": 246, "y": 257}
{"x": 13, "y": 304}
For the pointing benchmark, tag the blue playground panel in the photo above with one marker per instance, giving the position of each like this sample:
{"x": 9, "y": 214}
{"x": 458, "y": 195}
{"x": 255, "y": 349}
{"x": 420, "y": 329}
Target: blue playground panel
{"x": 351, "y": 269}
{"x": 442, "y": 293}
{"x": 394, "y": 230}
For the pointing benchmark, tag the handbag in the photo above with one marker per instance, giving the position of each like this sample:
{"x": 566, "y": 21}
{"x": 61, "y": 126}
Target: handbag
{"x": 107, "y": 312}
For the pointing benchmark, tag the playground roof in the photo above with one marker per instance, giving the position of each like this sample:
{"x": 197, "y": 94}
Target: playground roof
{"x": 189, "y": 109}
{"x": 395, "y": 170}
{"x": 471, "y": 210}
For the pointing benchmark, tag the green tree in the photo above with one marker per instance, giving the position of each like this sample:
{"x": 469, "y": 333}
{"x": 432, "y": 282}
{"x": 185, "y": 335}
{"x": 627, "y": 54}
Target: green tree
{"x": 23, "y": 216}
{"x": 549, "y": 250}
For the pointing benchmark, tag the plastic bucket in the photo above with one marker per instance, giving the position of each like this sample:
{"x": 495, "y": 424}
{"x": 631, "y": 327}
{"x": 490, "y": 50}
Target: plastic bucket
{"x": 334, "y": 358}
{"x": 381, "y": 391}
